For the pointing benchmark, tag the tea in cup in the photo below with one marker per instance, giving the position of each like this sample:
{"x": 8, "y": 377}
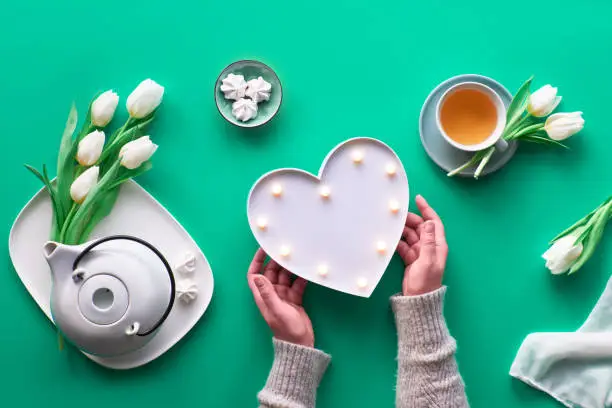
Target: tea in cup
{"x": 471, "y": 117}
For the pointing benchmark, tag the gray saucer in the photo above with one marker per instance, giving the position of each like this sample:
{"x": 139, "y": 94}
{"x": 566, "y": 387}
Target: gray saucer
{"x": 440, "y": 151}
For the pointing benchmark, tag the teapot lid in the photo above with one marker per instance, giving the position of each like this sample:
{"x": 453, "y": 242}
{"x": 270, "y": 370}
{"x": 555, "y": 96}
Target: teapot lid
{"x": 104, "y": 298}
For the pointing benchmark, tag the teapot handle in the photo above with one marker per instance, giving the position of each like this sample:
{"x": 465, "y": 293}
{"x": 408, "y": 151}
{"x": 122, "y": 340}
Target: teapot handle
{"x": 94, "y": 244}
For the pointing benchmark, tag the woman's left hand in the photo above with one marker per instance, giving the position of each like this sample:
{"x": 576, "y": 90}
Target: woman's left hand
{"x": 280, "y": 301}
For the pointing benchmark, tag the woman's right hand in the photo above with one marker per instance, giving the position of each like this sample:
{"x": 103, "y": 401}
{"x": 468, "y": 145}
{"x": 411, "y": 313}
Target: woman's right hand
{"x": 423, "y": 250}
{"x": 280, "y": 300}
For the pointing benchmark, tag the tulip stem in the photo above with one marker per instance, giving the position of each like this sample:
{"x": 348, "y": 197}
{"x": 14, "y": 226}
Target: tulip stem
{"x": 513, "y": 127}
{"x": 464, "y": 166}
{"x": 483, "y": 162}
{"x": 116, "y": 139}
{"x": 69, "y": 217}
{"x": 472, "y": 162}
{"x": 524, "y": 131}
{"x": 125, "y": 125}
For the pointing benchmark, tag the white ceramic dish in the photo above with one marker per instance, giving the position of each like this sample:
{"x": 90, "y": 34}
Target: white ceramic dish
{"x": 136, "y": 213}
{"x": 338, "y": 234}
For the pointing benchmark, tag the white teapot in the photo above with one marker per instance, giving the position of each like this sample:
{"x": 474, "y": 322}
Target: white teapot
{"x": 109, "y": 296}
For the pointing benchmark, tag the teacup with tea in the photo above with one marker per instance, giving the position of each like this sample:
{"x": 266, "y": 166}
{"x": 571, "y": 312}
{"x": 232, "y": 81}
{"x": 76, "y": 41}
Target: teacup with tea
{"x": 471, "y": 117}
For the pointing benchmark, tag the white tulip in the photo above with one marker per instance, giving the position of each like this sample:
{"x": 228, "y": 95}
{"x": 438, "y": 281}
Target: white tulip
{"x": 136, "y": 152}
{"x": 560, "y": 126}
{"x": 563, "y": 253}
{"x": 543, "y": 101}
{"x": 144, "y": 99}
{"x": 103, "y": 108}
{"x": 81, "y": 186}
{"x": 90, "y": 148}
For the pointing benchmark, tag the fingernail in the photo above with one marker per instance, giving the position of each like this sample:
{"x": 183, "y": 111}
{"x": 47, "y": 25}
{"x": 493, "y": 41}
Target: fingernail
{"x": 429, "y": 226}
{"x": 259, "y": 282}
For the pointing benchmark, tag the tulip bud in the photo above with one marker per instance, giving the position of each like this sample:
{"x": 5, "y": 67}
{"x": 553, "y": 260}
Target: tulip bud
{"x": 560, "y": 126}
{"x": 136, "y": 152}
{"x": 144, "y": 99}
{"x": 543, "y": 101}
{"x": 103, "y": 108}
{"x": 81, "y": 186}
{"x": 563, "y": 253}
{"x": 90, "y": 148}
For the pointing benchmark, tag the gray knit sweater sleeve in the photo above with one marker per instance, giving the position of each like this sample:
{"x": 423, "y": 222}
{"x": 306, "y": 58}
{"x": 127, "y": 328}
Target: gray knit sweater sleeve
{"x": 294, "y": 378}
{"x": 427, "y": 374}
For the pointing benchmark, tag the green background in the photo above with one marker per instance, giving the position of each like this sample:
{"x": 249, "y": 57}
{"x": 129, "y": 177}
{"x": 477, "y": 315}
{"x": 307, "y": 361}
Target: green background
{"x": 349, "y": 68}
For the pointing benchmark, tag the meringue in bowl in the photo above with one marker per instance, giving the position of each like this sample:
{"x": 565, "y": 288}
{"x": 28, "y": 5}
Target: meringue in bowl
{"x": 251, "y": 81}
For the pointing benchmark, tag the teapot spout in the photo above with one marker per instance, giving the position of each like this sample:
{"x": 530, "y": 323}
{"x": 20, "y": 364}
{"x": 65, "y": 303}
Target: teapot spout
{"x": 49, "y": 249}
{"x": 60, "y": 257}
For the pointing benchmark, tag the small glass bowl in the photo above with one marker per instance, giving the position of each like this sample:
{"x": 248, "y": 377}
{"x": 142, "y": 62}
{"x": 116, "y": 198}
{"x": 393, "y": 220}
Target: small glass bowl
{"x": 250, "y": 69}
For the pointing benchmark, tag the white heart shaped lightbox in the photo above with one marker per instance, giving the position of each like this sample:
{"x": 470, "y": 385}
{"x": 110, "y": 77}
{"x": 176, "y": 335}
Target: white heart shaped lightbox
{"x": 338, "y": 229}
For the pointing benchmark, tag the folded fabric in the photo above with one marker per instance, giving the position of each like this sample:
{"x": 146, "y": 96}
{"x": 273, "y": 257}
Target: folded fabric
{"x": 575, "y": 368}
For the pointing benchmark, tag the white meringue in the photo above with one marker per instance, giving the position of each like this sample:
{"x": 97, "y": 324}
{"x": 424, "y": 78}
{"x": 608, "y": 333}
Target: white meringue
{"x": 244, "y": 109}
{"x": 258, "y": 89}
{"x": 233, "y": 87}
{"x": 186, "y": 290}
{"x": 187, "y": 264}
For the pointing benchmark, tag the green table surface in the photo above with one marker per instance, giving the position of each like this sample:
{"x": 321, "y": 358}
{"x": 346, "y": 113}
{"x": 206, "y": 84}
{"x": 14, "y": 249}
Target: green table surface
{"x": 349, "y": 68}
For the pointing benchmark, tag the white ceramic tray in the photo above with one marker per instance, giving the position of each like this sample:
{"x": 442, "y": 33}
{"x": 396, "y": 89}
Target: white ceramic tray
{"x": 344, "y": 241}
{"x": 136, "y": 213}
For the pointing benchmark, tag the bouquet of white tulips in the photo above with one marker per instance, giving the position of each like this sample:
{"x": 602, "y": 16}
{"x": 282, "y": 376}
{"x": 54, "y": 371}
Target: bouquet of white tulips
{"x": 524, "y": 122}
{"x": 91, "y": 167}
{"x": 573, "y": 247}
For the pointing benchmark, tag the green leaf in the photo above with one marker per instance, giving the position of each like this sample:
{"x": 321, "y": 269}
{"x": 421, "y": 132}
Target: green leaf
{"x": 65, "y": 164}
{"x": 585, "y": 233}
{"x": 99, "y": 211}
{"x": 584, "y": 220}
{"x": 592, "y": 239}
{"x": 519, "y": 104}
{"x": 66, "y": 142}
{"x": 543, "y": 140}
{"x": 56, "y": 224}
{"x": 36, "y": 173}
{"x": 66, "y": 224}
{"x": 571, "y": 229}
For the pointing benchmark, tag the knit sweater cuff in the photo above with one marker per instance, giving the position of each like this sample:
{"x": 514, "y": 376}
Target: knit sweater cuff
{"x": 295, "y": 376}
{"x": 419, "y": 319}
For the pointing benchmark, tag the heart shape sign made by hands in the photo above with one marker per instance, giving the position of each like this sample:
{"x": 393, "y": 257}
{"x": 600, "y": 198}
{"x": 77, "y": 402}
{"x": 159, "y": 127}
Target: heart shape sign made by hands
{"x": 338, "y": 229}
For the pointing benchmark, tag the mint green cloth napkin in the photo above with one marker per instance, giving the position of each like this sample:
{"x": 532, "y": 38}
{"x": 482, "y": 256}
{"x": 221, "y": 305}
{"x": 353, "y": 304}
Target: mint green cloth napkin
{"x": 575, "y": 368}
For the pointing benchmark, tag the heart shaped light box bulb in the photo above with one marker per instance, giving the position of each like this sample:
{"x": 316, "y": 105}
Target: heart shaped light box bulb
{"x": 338, "y": 229}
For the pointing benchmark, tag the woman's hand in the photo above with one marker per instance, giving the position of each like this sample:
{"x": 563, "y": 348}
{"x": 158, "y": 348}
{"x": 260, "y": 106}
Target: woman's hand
{"x": 423, "y": 250}
{"x": 280, "y": 301}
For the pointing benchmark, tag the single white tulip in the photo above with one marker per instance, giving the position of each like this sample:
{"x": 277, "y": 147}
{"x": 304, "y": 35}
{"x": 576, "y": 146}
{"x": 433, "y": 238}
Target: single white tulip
{"x": 90, "y": 148}
{"x": 103, "y": 108}
{"x": 81, "y": 186}
{"x": 543, "y": 101}
{"x": 136, "y": 152}
{"x": 144, "y": 99}
{"x": 563, "y": 253}
{"x": 560, "y": 126}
